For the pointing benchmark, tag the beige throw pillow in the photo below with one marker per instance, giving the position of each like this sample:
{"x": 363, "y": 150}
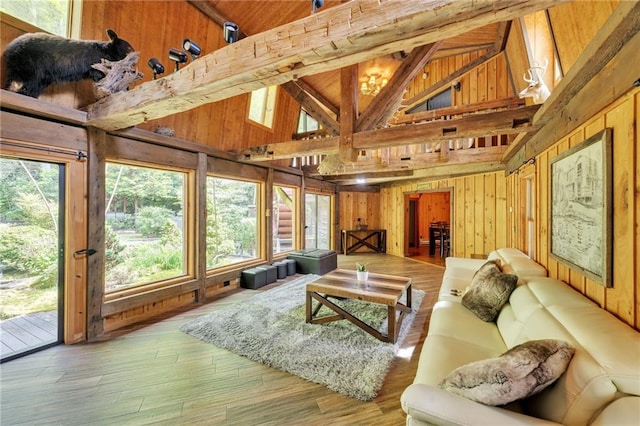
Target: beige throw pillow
{"x": 522, "y": 371}
{"x": 489, "y": 291}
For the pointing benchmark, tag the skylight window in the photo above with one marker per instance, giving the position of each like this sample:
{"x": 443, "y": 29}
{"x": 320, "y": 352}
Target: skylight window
{"x": 262, "y": 106}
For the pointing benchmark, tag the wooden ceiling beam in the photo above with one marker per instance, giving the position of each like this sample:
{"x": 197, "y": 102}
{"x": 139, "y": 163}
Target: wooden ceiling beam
{"x": 343, "y": 35}
{"x": 318, "y": 97}
{"x": 511, "y": 121}
{"x": 435, "y": 172}
{"x": 601, "y": 74}
{"x": 503, "y": 33}
{"x": 349, "y": 112}
{"x": 491, "y": 154}
{"x": 298, "y": 90}
{"x": 363, "y": 175}
{"x": 505, "y": 122}
{"x": 312, "y": 107}
{"x": 415, "y": 117}
{"x": 385, "y": 103}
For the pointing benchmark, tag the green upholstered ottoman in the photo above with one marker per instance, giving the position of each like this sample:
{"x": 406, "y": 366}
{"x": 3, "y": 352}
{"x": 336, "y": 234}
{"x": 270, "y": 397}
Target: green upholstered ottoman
{"x": 281, "y": 268}
{"x": 272, "y": 272}
{"x": 291, "y": 266}
{"x": 314, "y": 261}
{"x": 253, "y": 278}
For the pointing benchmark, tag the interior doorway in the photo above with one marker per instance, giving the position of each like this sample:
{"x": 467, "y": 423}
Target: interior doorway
{"x": 428, "y": 229}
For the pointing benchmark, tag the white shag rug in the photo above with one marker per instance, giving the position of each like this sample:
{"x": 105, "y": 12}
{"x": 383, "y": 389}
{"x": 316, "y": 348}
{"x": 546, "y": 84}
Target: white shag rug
{"x": 270, "y": 328}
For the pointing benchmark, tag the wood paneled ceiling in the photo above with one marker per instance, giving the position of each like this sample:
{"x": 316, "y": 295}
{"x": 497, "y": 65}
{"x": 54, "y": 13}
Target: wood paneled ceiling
{"x": 306, "y": 54}
{"x": 254, "y": 19}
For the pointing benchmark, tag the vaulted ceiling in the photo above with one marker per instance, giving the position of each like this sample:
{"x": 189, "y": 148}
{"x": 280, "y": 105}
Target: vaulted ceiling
{"x": 321, "y": 59}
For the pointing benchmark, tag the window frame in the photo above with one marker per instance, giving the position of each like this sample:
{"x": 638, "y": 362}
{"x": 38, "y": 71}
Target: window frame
{"x": 260, "y": 219}
{"x": 267, "y": 109}
{"x": 295, "y": 219}
{"x": 303, "y": 118}
{"x": 331, "y": 216}
{"x": 73, "y": 24}
{"x": 189, "y": 231}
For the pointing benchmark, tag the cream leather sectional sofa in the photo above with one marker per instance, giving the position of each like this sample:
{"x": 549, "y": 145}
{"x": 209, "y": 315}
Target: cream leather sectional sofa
{"x": 601, "y": 385}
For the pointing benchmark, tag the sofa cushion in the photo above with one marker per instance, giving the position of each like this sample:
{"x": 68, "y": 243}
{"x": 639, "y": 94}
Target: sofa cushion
{"x": 489, "y": 291}
{"x": 522, "y": 371}
{"x": 513, "y": 261}
{"x": 585, "y": 387}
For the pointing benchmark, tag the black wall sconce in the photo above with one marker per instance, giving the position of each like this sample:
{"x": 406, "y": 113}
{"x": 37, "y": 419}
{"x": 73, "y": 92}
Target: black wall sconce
{"x": 230, "y": 32}
{"x": 316, "y": 4}
{"x": 457, "y": 86}
{"x": 637, "y": 83}
{"x": 178, "y": 56}
{"x": 156, "y": 67}
{"x": 191, "y": 47}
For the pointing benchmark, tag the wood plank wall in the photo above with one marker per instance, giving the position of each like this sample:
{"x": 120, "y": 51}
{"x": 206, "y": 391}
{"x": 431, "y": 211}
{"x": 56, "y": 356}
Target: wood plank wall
{"x": 363, "y": 205}
{"x": 152, "y": 28}
{"x": 487, "y": 211}
{"x": 623, "y": 299}
{"x": 571, "y": 38}
{"x": 486, "y": 82}
{"x": 479, "y": 213}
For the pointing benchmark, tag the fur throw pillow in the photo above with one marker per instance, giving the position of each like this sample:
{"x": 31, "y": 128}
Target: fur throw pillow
{"x": 522, "y": 371}
{"x": 489, "y": 291}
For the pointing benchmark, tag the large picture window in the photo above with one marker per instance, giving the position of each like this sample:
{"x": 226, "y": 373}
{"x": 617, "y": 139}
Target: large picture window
{"x": 145, "y": 226}
{"x": 232, "y": 221}
{"x": 284, "y": 218}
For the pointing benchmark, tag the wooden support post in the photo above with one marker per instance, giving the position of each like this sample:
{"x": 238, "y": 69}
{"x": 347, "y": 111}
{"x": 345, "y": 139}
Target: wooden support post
{"x": 96, "y": 232}
{"x": 348, "y": 112}
{"x": 201, "y": 226}
{"x": 268, "y": 217}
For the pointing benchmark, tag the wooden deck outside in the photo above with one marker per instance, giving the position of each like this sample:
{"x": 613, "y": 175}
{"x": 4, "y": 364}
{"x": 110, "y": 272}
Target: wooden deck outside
{"x": 27, "y": 332}
{"x": 154, "y": 374}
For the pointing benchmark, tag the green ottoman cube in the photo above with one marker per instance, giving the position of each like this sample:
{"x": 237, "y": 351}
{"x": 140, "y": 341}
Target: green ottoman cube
{"x": 315, "y": 261}
{"x": 272, "y": 272}
{"x": 291, "y": 266}
{"x": 281, "y": 268}
{"x": 253, "y": 278}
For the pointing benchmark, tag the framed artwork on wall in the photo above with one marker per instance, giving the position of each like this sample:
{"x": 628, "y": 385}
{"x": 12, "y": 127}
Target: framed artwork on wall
{"x": 582, "y": 206}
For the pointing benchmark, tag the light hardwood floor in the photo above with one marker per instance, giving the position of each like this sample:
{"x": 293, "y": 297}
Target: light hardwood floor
{"x": 154, "y": 374}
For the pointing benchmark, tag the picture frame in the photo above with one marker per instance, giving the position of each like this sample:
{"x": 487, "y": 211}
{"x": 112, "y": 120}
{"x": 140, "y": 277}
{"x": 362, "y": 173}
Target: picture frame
{"x": 581, "y": 206}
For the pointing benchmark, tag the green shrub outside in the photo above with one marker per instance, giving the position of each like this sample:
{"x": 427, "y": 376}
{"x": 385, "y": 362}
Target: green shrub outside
{"x": 27, "y": 249}
{"x": 150, "y": 221}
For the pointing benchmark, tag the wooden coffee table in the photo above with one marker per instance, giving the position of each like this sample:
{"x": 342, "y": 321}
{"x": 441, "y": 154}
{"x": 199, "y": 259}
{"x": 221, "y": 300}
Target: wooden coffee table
{"x": 379, "y": 288}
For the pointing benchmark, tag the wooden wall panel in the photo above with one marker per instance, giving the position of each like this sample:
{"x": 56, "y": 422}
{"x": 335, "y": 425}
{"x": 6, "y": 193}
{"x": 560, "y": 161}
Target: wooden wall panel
{"x": 474, "y": 211}
{"x": 354, "y": 205}
{"x": 516, "y": 56}
{"x": 636, "y": 254}
{"x": 621, "y": 299}
{"x": 152, "y": 28}
{"x": 540, "y": 40}
{"x": 223, "y": 124}
{"x": 488, "y": 81}
{"x": 484, "y": 221}
{"x": 571, "y": 39}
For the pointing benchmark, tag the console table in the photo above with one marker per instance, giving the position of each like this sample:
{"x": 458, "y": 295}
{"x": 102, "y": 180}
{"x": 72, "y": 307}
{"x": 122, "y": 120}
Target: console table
{"x": 353, "y": 239}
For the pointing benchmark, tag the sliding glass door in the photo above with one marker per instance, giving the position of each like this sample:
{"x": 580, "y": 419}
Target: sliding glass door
{"x": 317, "y": 221}
{"x": 31, "y": 255}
